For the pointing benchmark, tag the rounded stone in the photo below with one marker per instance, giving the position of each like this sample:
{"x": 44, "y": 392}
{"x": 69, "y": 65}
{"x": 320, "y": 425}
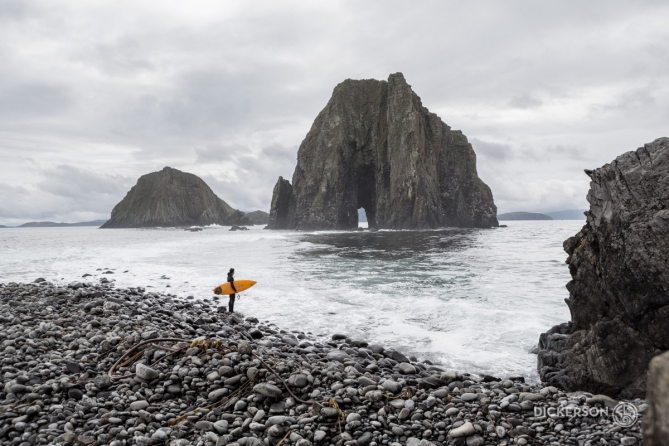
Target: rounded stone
{"x": 465, "y": 430}
{"x": 146, "y": 372}
{"x": 244, "y": 348}
{"x": 268, "y": 390}
{"x": 139, "y": 405}
{"x": 75, "y": 394}
{"x": 73, "y": 367}
{"x": 337, "y": 355}
{"x": 216, "y": 395}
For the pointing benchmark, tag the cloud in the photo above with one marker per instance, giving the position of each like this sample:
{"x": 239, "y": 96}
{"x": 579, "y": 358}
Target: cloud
{"x": 32, "y": 100}
{"x": 71, "y": 182}
{"x": 228, "y": 90}
{"x": 492, "y": 150}
{"x": 64, "y": 193}
{"x": 247, "y": 180}
{"x": 525, "y": 101}
{"x": 489, "y": 151}
{"x": 218, "y": 152}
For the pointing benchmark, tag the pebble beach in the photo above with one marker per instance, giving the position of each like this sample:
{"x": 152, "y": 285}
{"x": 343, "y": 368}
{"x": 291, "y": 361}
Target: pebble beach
{"x": 92, "y": 364}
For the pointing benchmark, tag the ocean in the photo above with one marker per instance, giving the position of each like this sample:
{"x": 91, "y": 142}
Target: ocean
{"x": 470, "y": 299}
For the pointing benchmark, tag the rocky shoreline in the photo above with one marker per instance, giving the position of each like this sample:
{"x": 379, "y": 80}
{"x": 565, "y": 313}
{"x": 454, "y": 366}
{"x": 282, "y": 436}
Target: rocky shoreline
{"x": 92, "y": 364}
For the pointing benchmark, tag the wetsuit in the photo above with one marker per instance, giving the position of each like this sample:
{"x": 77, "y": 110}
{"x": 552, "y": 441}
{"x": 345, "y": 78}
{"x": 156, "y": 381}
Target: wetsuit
{"x": 231, "y": 303}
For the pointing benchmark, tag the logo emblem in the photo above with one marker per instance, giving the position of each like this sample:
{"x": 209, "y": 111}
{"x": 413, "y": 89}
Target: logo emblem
{"x": 625, "y": 414}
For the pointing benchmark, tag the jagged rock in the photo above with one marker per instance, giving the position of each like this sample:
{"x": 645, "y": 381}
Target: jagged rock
{"x": 618, "y": 295}
{"x": 375, "y": 146}
{"x": 656, "y": 419}
{"x": 172, "y": 198}
{"x": 282, "y": 208}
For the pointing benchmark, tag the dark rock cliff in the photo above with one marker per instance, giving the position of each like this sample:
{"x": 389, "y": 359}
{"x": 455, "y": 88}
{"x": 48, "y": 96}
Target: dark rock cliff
{"x": 172, "y": 198}
{"x": 375, "y": 146}
{"x": 619, "y": 292}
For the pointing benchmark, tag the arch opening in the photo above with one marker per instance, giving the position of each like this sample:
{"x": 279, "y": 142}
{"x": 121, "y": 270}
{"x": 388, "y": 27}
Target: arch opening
{"x": 362, "y": 218}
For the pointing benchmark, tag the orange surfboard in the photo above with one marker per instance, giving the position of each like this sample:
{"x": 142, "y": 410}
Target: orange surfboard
{"x": 240, "y": 285}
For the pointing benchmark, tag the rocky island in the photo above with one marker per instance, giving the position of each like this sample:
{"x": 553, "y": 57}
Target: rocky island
{"x": 258, "y": 217}
{"x": 374, "y": 146}
{"x": 523, "y": 216}
{"x": 171, "y": 198}
{"x": 618, "y": 295}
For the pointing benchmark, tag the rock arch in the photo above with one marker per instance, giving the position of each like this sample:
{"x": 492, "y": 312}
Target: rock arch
{"x": 375, "y": 146}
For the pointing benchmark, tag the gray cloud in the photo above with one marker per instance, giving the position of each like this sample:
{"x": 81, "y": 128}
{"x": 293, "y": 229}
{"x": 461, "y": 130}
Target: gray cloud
{"x": 524, "y": 101}
{"x": 251, "y": 178}
{"x": 228, "y": 91}
{"x": 64, "y": 193}
{"x": 32, "y": 100}
{"x": 500, "y": 152}
{"x": 218, "y": 152}
{"x": 492, "y": 150}
{"x": 71, "y": 182}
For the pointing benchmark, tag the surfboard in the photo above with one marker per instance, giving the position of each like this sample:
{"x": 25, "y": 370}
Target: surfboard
{"x": 240, "y": 285}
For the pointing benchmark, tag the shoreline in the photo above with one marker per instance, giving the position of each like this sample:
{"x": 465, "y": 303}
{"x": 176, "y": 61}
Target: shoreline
{"x": 340, "y": 391}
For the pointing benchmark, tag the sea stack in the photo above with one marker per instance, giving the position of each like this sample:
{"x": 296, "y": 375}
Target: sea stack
{"x": 172, "y": 198}
{"x": 375, "y": 146}
{"x": 619, "y": 292}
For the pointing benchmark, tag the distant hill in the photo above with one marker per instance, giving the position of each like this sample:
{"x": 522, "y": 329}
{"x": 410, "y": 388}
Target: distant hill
{"x": 172, "y": 198}
{"x": 523, "y": 216}
{"x": 50, "y": 224}
{"x": 571, "y": 214}
{"x": 2, "y": 226}
{"x": 258, "y": 217}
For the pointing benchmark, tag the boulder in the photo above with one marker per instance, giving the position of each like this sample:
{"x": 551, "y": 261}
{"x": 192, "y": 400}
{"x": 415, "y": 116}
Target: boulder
{"x": 620, "y": 276}
{"x": 656, "y": 419}
{"x": 375, "y": 146}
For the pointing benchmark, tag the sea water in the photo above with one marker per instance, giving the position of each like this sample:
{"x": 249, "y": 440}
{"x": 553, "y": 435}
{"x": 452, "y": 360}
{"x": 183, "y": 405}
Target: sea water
{"x": 470, "y": 299}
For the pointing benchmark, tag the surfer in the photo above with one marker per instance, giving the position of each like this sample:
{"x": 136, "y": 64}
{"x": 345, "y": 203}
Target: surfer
{"x": 231, "y": 279}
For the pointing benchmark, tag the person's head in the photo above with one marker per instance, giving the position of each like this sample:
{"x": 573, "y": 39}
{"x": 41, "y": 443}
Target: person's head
{"x": 232, "y": 271}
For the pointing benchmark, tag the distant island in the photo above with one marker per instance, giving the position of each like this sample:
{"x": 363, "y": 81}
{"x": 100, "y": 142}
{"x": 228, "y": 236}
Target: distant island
{"x": 258, "y": 217}
{"x": 571, "y": 214}
{"x": 523, "y": 216}
{"x": 50, "y": 224}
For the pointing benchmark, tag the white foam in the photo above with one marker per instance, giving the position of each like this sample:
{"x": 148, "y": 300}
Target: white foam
{"x": 475, "y": 300}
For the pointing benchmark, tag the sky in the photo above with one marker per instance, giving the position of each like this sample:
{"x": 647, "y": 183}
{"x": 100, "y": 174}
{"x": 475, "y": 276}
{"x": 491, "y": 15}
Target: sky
{"x": 95, "y": 94}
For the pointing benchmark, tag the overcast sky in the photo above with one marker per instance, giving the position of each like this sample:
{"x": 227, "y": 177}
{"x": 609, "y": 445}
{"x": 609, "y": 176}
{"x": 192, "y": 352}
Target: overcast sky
{"x": 95, "y": 94}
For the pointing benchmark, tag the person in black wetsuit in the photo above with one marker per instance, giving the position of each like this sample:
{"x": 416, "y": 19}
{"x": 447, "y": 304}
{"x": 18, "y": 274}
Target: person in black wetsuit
{"x": 231, "y": 279}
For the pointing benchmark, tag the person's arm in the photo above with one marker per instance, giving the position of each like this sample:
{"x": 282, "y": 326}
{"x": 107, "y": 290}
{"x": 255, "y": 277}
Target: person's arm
{"x": 232, "y": 284}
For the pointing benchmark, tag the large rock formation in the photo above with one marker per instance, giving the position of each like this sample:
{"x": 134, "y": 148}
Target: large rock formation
{"x": 375, "y": 146}
{"x": 619, "y": 292}
{"x": 172, "y": 198}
